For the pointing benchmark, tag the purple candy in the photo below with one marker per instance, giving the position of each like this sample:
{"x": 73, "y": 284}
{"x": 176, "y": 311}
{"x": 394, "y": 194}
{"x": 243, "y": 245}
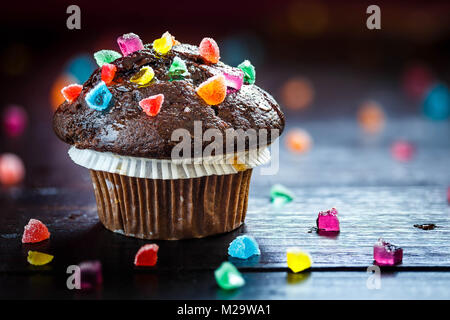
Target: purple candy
{"x": 328, "y": 221}
{"x": 129, "y": 43}
{"x": 91, "y": 274}
{"x": 14, "y": 120}
{"x": 234, "y": 80}
{"x": 386, "y": 254}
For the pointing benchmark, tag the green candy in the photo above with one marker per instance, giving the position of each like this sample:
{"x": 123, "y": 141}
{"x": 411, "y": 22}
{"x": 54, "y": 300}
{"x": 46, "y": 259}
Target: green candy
{"x": 280, "y": 195}
{"x": 178, "y": 69}
{"x": 228, "y": 277}
{"x": 106, "y": 56}
{"x": 249, "y": 72}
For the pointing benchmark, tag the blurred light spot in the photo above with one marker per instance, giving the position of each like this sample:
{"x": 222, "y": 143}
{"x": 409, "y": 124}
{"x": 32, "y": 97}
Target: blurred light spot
{"x": 308, "y": 18}
{"x": 14, "y": 120}
{"x": 436, "y": 105}
{"x": 297, "y": 93}
{"x": 56, "y": 97}
{"x": 81, "y": 67}
{"x": 402, "y": 151}
{"x": 12, "y": 170}
{"x": 15, "y": 59}
{"x": 371, "y": 117}
{"x": 298, "y": 141}
{"x": 416, "y": 81}
{"x": 234, "y": 50}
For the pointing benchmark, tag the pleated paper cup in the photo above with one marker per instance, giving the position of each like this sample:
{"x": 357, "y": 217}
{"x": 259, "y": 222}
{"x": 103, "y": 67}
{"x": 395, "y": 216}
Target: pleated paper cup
{"x": 151, "y": 201}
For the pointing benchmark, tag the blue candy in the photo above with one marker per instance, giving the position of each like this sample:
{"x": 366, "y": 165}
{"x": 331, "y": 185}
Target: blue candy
{"x": 436, "y": 104}
{"x": 243, "y": 247}
{"x": 99, "y": 97}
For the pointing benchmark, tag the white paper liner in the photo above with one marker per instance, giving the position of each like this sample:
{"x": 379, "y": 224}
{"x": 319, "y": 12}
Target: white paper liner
{"x": 168, "y": 169}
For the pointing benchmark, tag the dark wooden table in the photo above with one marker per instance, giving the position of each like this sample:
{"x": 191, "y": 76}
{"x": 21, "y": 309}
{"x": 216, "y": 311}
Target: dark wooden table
{"x": 375, "y": 195}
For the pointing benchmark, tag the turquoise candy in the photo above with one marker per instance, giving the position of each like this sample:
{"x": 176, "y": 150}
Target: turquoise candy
{"x": 98, "y": 97}
{"x": 436, "y": 105}
{"x": 243, "y": 247}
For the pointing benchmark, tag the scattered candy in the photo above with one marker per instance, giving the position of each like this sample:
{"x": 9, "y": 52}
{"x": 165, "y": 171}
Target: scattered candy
{"x": 174, "y": 41}
{"x": 402, "y": 151}
{"x": 143, "y": 76}
{"x": 90, "y": 274}
{"x": 108, "y": 73}
{"x": 35, "y": 231}
{"x": 371, "y": 117}
{"x": 178, "y": 69}
{"x": 209, "y": 50}
{"x": 38, "y": 258}
{"x": 71, "y": 92}
{"x": 298, "y": 260}
{"x": 14, "y": 121}
{"x": 297, "y": 93}
{"x": 234, "y": 80}
{"x": 328, "y": 221}
{"x": 106, "y": 56}
{"x": 426, "y": 226}
{"x": 12, "y": 170}
{"x": 152, "y": 105}
{"x": 243, "y": 247}
{"x": 56, "y": 98}
{"x": 163, "y": 44}
{"x": 228, "y": 277}
{"x": 249, "y": 72}
{"x": 146, "y": 256}
{"x": 99, "y": 97}
{"x": 280, "y": 195}
{"x": 387, "y": 254}
{"x": 436, "y": 105}
{"x": 129, "y": 43}
{"x": 214, "y": 90}
{"x": 298, "y": 141}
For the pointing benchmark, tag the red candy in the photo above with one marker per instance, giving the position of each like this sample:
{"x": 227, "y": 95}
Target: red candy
{"x": 71, "y": 92}
{"x": 108, "y": 72}
{"x": 35, "y": 231}
{"x": 152, "y": 105}
{"x": 209, "y": 50}
{"x": 146, "y": 256}
{"x": 402, "y": 150}
{"x": 12, "y": 170}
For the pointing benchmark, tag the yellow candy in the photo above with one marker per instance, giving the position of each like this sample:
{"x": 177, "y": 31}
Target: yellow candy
{"x": 163, "y": 44}
{"x": 298, "y": 260}
{"x": 144, "y": 76}
{"x": 38, "y": 258}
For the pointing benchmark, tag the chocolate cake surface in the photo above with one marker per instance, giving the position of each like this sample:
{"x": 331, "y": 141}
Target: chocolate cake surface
{"x": 123, "y": 128}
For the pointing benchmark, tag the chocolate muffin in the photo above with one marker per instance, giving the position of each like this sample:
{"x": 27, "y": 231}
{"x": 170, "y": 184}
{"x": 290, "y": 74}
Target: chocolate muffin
{"x": 170, "y": 135}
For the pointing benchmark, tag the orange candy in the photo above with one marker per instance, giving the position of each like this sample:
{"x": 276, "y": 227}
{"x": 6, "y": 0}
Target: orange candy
{"x": 371, "y": 117}
{"x": 214, "y": 90}
{"x": 298, "y": 141}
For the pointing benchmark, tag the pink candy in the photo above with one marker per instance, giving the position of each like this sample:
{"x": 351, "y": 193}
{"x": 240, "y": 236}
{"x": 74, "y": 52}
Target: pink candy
{"x": 328, "y": 221}
{"x": 14, "y": 121}
{"x": 129, "y": 43}
{"x": 12, "y": 170}
{"x": 387, "y": 254}
{"x": 402, "y": 151}
{"x": 234, "y": 80}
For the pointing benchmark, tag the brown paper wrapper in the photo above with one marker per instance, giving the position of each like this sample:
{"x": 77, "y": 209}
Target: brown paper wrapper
{"x": 171, "y": 209}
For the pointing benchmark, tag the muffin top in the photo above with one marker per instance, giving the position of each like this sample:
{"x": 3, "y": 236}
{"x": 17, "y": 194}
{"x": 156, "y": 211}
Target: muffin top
{"x": 138, "y": 118}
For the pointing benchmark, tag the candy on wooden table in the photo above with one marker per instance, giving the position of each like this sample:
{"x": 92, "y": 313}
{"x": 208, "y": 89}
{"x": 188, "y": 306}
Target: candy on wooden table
{"x": 163, "y": 44}
{"x": 98, "y": 97}
{"x": 108, "y": 73}
{"x": 90, "y": 274}
{"x": 129, "y": 43}
{"x": 152, "y": 105}
{"x": 371, "y": 117}
{"x": 147, "y": 256}
{"x": 328, "y": 221}
{"x": 298, "y": 260}
{"x": 214, "y": 90}
{"x": 12, "y": 170}
{"x": 37, "y": 258}
{"x": 14, "y": 120}
{"x": 143, "y": 76}
{"x": 106, "y": 56}
{"x": 280, "y": 195}
{"x": 35, "y": 231}
{"x": 209, "y": 50}
{"x": 402, "y": 150}
{"x": 249, "y": 72}
{"x": 243, "y": 247}
{"x": 298, "y": 141}
{"x": 387, "y": 254}
{"x": 233, "y": 80}
{"x": 436, "y": 105}
{"x": 228, "y": 277}
{"x": 178, "y": 69}
{"x": 71, "y": 92}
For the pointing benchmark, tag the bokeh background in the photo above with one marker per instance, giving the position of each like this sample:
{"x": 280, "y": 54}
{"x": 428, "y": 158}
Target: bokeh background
{"x": 349, "y": 93}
